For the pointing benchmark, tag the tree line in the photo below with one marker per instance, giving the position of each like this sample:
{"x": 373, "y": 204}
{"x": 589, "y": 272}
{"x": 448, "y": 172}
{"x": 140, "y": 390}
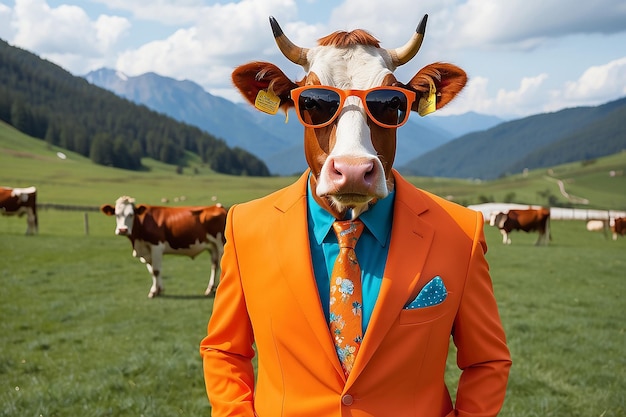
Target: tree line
{"x": 43, "y": 100}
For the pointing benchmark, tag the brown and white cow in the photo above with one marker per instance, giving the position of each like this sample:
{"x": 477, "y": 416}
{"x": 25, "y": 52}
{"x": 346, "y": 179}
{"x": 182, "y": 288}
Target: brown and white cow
{"x": 20, "y": 201}
{"x": 618, "y": 227}
{"x": 155, "y": 231}
{"x": 528, "y": 220}
{"x": 351, "y": 104}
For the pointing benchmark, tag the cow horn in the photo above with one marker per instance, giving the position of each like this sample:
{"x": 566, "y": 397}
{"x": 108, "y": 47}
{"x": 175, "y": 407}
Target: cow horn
{"x": 294, "y": 53}
{"x": 404, "y": 54}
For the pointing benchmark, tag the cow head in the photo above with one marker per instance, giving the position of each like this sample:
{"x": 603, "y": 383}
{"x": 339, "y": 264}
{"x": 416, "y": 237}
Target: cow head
{"x": 125, "y": 212}
{"x": 351, "y": 104}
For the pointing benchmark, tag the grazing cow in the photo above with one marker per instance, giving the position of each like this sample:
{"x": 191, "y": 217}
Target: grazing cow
{"x": 618, "y": 227}
{"x": 20, "y": 201}
{"x": 274, "y": 301}
{"x": 596, "y": 225}
{"x": 528, "y": 220}
{"x": 155, "y": 231}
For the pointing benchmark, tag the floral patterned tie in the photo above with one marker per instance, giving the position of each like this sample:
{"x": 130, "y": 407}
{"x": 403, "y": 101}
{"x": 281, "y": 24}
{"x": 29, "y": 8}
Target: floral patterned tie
{"x": 346, "y": 295}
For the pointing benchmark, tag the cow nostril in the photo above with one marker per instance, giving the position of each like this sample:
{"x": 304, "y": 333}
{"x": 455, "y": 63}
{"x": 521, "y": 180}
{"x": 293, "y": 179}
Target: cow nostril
{"x": 352, "y": 171}
{"x": 336, "y": 168}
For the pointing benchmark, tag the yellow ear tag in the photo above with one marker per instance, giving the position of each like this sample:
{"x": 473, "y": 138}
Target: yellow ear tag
{"x": 428, "y": 105}
{"x": 267, "y": 102}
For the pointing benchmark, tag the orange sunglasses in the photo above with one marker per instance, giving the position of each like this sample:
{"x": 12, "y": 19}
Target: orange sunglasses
{"x": 318, "y": 106}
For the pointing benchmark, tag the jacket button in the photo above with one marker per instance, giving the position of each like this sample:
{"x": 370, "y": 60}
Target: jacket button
{"x": 347, "y": 399}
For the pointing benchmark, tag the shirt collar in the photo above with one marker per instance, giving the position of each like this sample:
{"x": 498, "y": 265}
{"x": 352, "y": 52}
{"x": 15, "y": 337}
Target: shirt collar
{"x": 377, "y": 219}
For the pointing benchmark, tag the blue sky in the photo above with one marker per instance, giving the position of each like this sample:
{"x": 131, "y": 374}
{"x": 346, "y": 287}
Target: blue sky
{"x": 522, "y": 56}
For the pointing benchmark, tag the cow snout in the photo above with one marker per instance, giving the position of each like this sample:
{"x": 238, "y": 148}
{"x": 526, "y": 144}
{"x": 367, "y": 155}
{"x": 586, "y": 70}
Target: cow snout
{"x": 352, "y": 180}
{"x": 349, "y": 174}
{"x": 122, "y": 231}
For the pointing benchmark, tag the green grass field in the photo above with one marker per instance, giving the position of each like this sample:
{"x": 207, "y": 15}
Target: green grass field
{"x": 79, "y": 337}
{"x": 25, "y": 161}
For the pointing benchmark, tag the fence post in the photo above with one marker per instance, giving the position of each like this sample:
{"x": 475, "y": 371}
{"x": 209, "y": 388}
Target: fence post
{"x": 86, "y": 224}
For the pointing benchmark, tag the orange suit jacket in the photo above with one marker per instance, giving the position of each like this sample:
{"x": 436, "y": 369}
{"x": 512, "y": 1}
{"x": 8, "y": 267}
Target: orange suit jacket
{"x": 268, "y": 300}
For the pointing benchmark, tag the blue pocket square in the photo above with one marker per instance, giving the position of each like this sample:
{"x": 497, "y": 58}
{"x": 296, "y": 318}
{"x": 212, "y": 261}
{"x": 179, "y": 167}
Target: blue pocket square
{"x": 433, "y": 293}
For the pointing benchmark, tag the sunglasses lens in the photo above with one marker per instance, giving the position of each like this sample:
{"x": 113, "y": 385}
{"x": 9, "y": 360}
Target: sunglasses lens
{"x": 318, "y": 105}
{"x": 388, "y": 107}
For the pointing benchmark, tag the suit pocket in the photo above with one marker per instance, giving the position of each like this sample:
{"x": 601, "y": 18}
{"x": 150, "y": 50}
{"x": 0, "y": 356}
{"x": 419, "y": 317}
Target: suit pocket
{"x": 424, "y": 314}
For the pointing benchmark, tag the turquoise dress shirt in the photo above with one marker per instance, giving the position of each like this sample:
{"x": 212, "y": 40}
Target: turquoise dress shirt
{"x": 371, "y": 250}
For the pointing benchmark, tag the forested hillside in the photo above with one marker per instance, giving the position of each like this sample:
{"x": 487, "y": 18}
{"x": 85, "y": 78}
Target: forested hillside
{"x": 45, "y": 101}
{"x": 605, "y": 136}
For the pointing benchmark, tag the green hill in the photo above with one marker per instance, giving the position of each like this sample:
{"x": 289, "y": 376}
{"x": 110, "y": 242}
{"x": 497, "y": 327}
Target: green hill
{"x": 25, "y": 161}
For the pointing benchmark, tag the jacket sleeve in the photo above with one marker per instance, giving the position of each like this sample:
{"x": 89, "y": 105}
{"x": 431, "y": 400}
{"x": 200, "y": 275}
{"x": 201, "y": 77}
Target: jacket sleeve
{"x": 227, "y": 350}
{"x": 482, "y": 353}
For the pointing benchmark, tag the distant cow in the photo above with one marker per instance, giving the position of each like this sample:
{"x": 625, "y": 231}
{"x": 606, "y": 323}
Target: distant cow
{"x": 596, "y": 225}
{"x": 618, "y": 227}
{"x": 528, "y": 220}
{"x": 156, "y": 230}
{"x": 20, "y": 201}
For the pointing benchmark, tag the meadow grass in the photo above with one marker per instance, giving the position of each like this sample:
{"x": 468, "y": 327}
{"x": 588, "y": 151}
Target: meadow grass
{"x": 563, "y": 309}
{"x": 25, "y": 161}
{"x": 80, "y": 337}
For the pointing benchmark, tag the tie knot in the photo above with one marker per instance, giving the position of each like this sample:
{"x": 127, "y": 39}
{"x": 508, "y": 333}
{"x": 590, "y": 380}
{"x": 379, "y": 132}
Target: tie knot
{"x": 348, "y": 232}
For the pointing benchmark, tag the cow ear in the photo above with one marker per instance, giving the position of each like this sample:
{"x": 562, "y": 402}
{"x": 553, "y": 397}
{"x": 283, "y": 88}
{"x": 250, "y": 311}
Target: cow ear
{"x": 140, "y": 209}
{"x": 107, "y": 209}
{"x": 254, "y": 77}
{"x": 443, "y": 80}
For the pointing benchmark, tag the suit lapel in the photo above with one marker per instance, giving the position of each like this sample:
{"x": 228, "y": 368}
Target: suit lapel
{"x": 297, "y": 266}
{"x": 411, "y": 238}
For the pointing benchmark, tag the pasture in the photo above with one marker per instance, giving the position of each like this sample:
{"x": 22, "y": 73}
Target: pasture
{"x": 25, "y": 161}
{"x": 80, "y": 337}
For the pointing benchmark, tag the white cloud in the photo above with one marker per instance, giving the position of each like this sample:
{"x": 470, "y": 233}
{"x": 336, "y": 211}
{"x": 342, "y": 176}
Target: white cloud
{"x": 510, "y": 48}
{"x": 474, "y": 97}
{"x": 206, "y": 52}
{"x": 524, "y": 24}
{"x": 178, "y": 53}
{"x": 109, "y": 29}
{"x": 392, "y": 22}
{"x": 524, "y": 100}
{"x": 198, "y": 12}
{"x": 168, "y": 12}
{"x": 597, "y": 85}
{"x": 40, "y": 28}
{"x": 65, "y": 34}
{"x": 5, "y": 22}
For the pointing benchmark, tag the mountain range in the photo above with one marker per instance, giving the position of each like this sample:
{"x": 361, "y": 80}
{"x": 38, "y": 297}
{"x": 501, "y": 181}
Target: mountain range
{"x": 464, "y": 146}
{"x": 542, "y": 140}
{"x": 277, "y": 140}
{"x": 117, "y": 120}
